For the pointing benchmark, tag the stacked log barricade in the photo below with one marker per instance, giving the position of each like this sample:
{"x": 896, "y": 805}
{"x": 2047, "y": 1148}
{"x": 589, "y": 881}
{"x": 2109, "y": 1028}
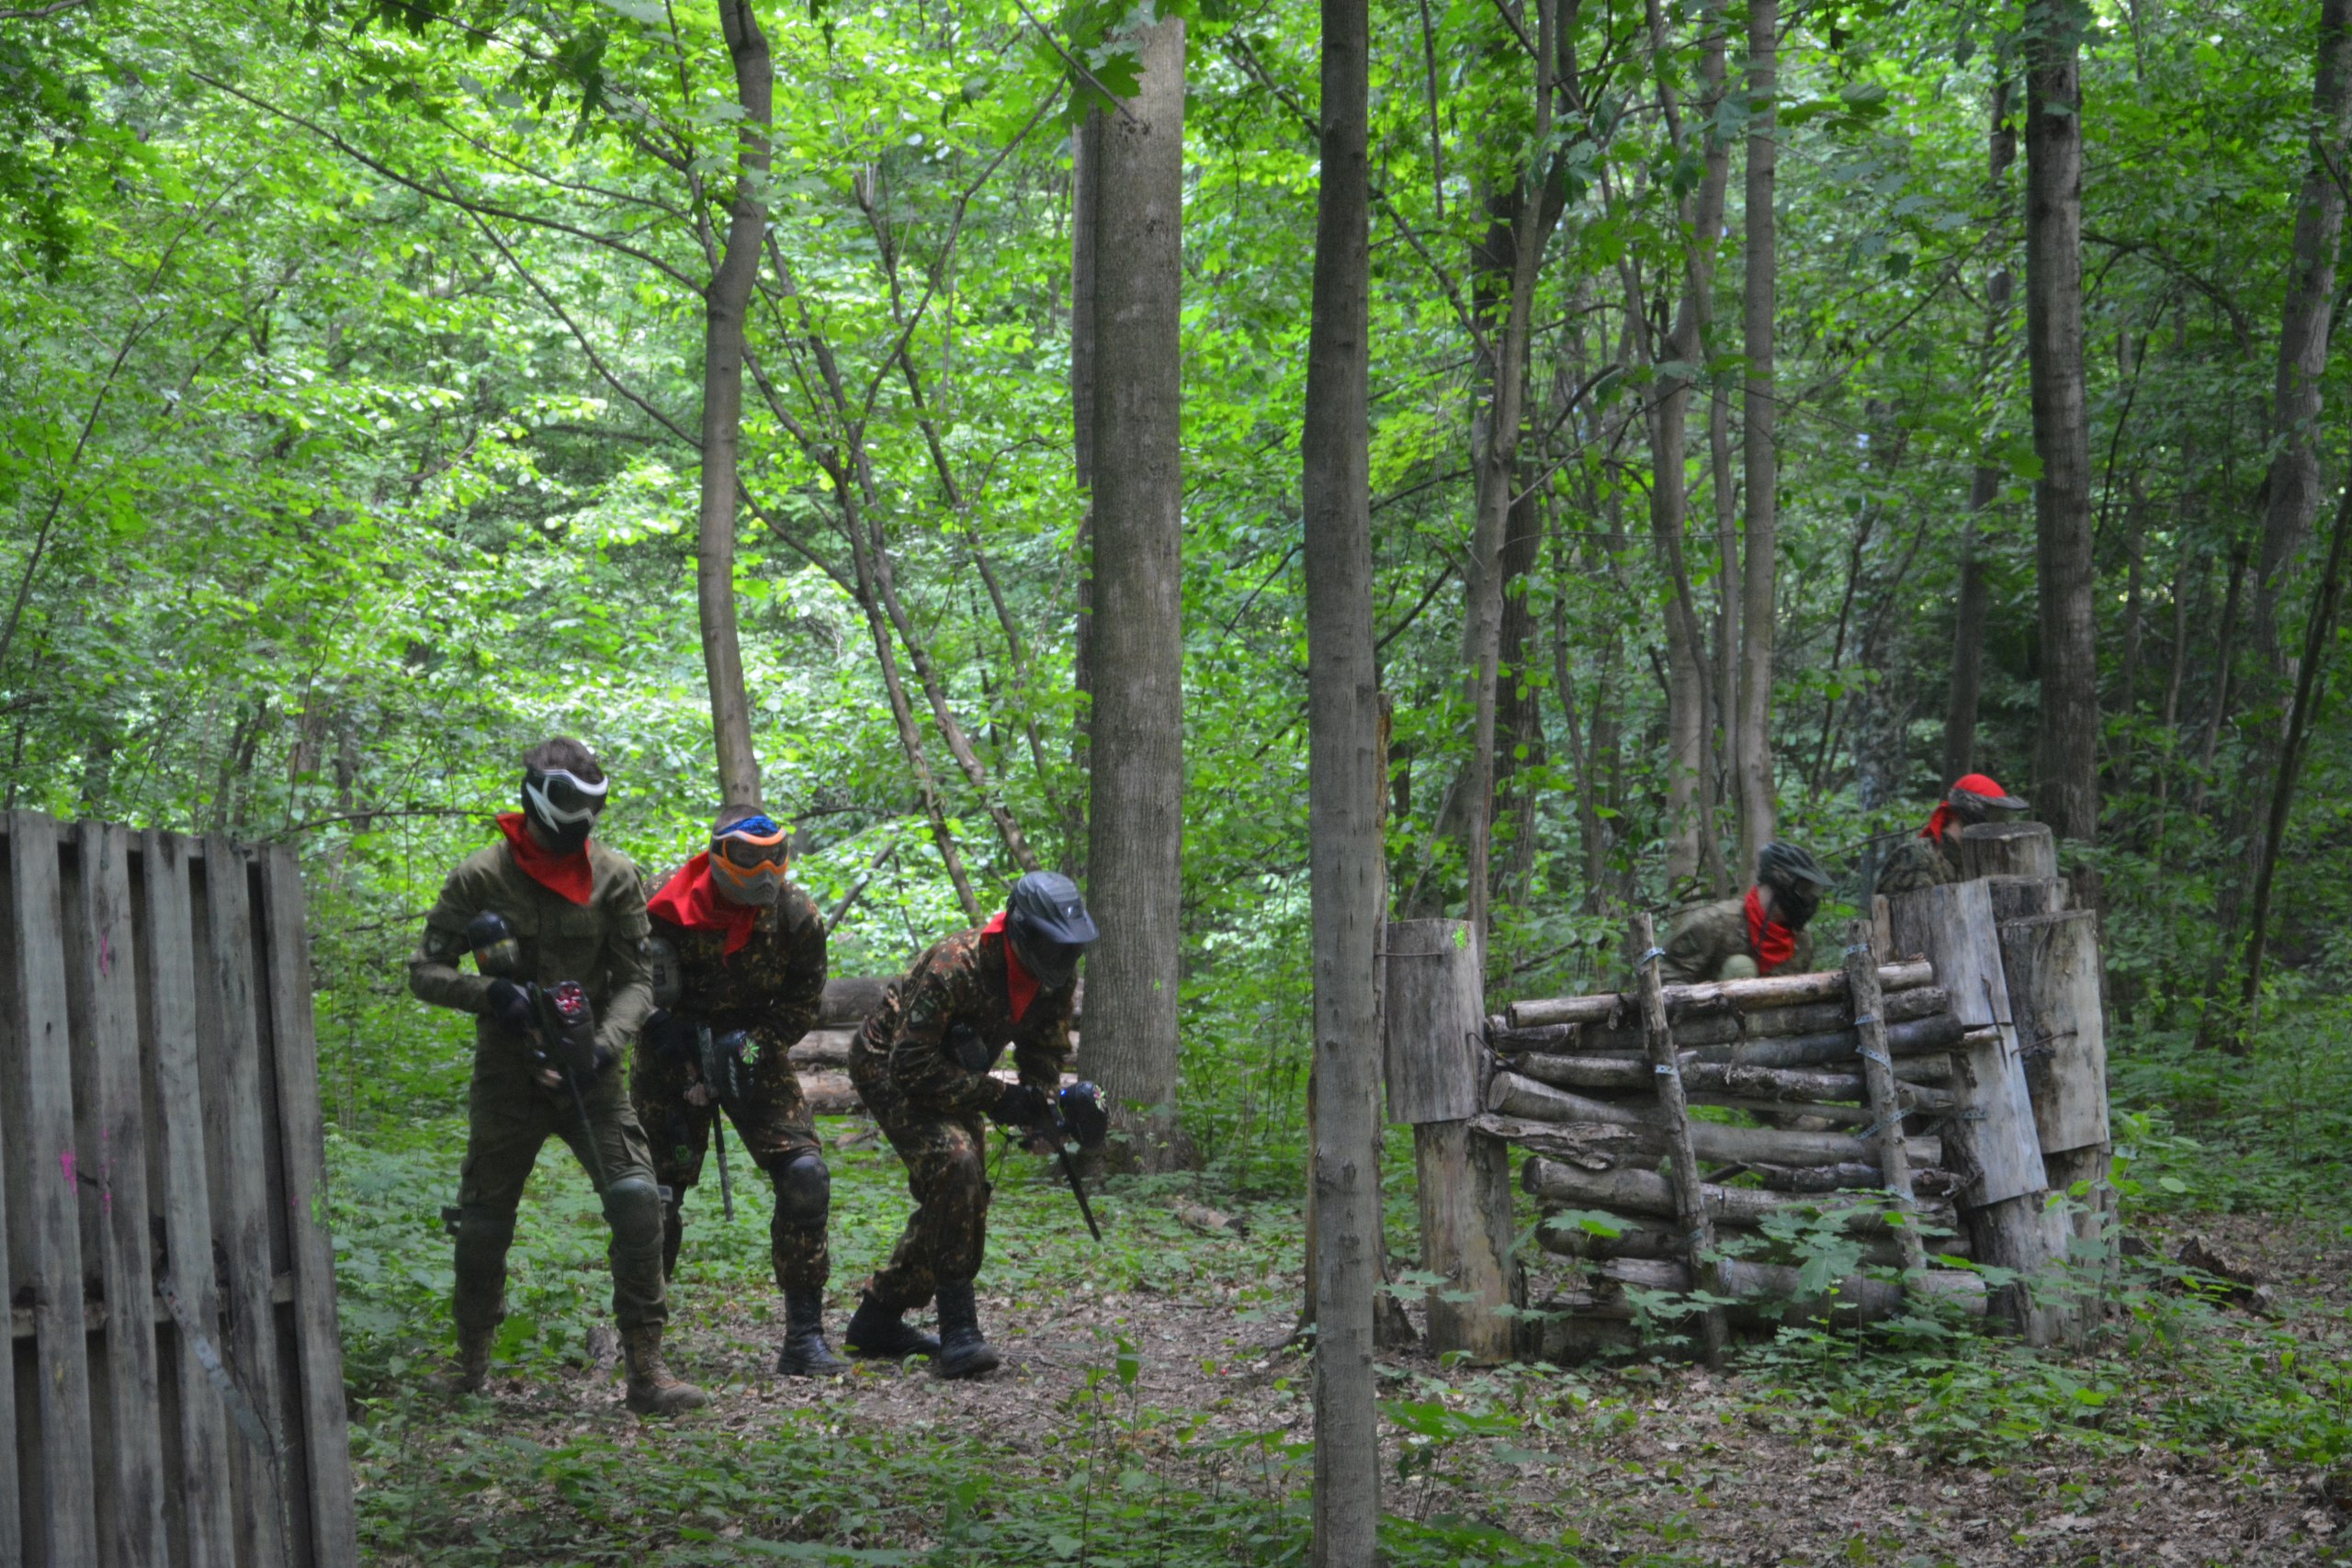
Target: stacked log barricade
{"x": 1857, "y": 1112}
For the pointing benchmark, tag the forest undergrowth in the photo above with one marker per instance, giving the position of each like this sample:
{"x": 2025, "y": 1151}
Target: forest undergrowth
{"x": 1154, "y": 1409}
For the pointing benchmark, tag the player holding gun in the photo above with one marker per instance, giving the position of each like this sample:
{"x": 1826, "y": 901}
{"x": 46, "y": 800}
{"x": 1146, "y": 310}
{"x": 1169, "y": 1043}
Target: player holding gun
{"x": 562, "y": 988}
{"x": 921, "y": 1064}
{"x": 744, "y": 952}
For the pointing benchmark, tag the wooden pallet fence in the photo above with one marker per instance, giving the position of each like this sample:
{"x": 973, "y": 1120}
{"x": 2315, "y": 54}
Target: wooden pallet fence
{"x": 1433, "y": 1025}
{"x": 174, "y": 1391}
{"x": 1849, "y": 1082}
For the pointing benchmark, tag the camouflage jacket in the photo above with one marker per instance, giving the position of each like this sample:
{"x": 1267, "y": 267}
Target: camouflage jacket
{"x": 1701, "y": 943}
{"x": 1919, "y": 863}
{"x": 771, "y": 987}
{"x": 962, "y": 980}
{"x": 601, "y": 943}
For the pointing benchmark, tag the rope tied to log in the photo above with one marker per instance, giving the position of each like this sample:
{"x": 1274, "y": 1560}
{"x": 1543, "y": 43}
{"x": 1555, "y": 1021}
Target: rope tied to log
{"x": 1879, "y": 1056}
{"x": 1652, "y": 956}
{"x": 1663, "y": 1069}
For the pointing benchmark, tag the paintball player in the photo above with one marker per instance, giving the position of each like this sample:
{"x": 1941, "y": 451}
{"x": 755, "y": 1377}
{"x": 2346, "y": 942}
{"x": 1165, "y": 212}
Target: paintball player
{"x": 745, "y": 954}
{"x": 921, "y": 1064}
{"x": 1763, "y": 933}
{"x": 557, "y": 925}
{"x": 1933, "y": 858}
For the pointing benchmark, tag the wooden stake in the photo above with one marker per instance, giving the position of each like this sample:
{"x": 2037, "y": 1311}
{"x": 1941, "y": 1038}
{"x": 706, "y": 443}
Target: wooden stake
{"x": 1689, "y": 1198}
{"x": 1878, "y": 1083}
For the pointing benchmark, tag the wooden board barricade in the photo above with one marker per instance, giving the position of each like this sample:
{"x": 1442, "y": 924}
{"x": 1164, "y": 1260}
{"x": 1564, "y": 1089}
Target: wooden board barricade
{"x": 163, "y": 1207}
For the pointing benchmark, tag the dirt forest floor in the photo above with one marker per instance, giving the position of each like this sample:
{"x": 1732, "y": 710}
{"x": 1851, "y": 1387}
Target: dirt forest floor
{"x": 1802, "y": 1456}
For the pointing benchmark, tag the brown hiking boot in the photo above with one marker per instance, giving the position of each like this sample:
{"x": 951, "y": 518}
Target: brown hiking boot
{"x": 653, "y": 1391}
{"x": 470, "y": 1372}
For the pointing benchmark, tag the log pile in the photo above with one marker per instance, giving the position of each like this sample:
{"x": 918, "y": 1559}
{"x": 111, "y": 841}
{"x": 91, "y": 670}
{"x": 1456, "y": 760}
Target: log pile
{"x": 1807, "y": 1106}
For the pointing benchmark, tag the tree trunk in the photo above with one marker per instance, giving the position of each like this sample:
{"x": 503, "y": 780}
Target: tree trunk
{"x": 1085, "y": 199}
{"x": 2067, "y": 792}
{"x": 2293, "y": 490}
{"x": 1135, "y": 819}
{"x": 1344, "y": 804}
{"x": 1973, "y": 604}
{"x": 1494, "y": 448}
{"x": 2311, "y": 688}
{"x": 724, "y": 305}
{"x": 1760, "y": 458}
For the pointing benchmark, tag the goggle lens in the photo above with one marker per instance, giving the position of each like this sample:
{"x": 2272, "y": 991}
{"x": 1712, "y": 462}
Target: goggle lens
{"x": 751, "y": 855}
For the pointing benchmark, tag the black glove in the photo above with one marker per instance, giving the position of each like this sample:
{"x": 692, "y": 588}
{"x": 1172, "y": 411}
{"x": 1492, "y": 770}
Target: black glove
{"x": 1020, "y": 1106}
{"x": 507, "y": 1005}
{"x": 972, "y": 1053}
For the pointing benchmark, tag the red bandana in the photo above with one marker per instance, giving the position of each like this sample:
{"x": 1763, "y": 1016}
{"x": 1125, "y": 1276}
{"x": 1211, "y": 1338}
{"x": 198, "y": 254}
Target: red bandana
{"x": 689, "y": 899}
{"x": 1938, "y": 823}
{"x": 566, "y": 877}
{"x": 1019, "y": 983}
{"x": 1772, "y": 943}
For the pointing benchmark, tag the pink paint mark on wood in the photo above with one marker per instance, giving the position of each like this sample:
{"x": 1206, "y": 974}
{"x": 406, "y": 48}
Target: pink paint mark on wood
{"x": 65, "y": 1164}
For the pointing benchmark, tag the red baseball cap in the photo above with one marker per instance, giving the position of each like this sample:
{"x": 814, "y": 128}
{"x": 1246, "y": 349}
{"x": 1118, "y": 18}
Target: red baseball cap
{"x": 1989, "y": 793}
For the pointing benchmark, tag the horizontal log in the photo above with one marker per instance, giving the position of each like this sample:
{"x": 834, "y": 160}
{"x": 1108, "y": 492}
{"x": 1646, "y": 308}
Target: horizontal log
{"x": 1768, "y": 1294}
{"x": 1939, "y": 1035}
{"x": 1716, "y": 996}
{"x": 833, "y": 1094}
{"x": 1622, "y": 1074}
{"x": 1502, "y": 1037}
{"x": 829, "y": 1048}
{"x": 1926, "y": 1181}
{"x": 1653, "y": 1241}
{"x": 1587, "y": 1145}
{"x": 1512, "y": 1095}
{"x": 1773, "y": 1023}
{"x": 1651, "y": 1193}
{"x": 849, "y": 998}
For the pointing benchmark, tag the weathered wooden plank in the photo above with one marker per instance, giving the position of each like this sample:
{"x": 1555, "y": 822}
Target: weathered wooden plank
{"x": 1655, "y": 1240}
{"x": 68, "y": 1505}
{"x": 171, "y": 1029}
{"x": 333, "y": 1526}
{"x": 1878, "y": 1077}
{"x": 1713, "y": 995}
{"x": 2051, "y": 963}
{"x": 2007, "y": 848}
{"x": 1432, "y": 1022}
{"x": 1464, "y": 1190}
{"x": 239, "y": 1144}
{"x": 113, "y": 1159}
{"x": 1953, "y": 925}
{"x": 1920, "y": 1050}
{"x": 12, "y": 1539}
{"x": 1690, "y": 1203}
{"x": 1772, "y": 1293}
{"x": 2015, "y": 898}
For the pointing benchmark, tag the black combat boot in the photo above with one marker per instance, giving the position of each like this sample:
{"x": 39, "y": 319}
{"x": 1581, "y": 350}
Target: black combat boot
{"x": 877, "y": 1332}
{"x": 804, "y": 1352}
{"x": 961, "y": 1352}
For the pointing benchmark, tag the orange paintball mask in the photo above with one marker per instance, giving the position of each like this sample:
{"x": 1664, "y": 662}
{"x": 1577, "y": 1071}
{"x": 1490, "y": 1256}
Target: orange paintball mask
{"x": 748, "y": 860}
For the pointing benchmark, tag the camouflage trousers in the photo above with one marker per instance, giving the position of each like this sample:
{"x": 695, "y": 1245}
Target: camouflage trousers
{"x": 946, "y": 1160}
{"x": 773, "y": 1125}
{"x": 508, "y": 1118}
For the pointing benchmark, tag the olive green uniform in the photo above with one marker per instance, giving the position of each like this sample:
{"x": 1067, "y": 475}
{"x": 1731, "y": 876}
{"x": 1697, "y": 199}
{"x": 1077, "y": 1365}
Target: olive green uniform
{"x": 1922, "y": 861}
{"x": 508, "y": 1114}
{"x": 1710, "y": 942}
{"x": 932, "y": 1106}
{"x": 772, "y": 988}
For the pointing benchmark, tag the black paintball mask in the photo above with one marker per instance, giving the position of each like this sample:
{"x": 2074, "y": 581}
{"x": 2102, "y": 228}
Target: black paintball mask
{"x": 1046, "y": 922}
{"x": 1796, "y": 880}
{"x": 562, "y": 806}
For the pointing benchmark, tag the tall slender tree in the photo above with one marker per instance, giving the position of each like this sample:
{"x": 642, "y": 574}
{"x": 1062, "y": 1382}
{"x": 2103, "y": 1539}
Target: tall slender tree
{"x": 1135, "y": 816}
{"x": 1343, "y": 808}
{"x": 2067, "y": 747}
{"x": 1759, "y": 294}
{"x": 725, "y": 303}
{"x": 1973, "y": 608}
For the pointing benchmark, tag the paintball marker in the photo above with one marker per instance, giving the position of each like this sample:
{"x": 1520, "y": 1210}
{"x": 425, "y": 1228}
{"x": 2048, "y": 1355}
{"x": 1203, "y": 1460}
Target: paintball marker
{"x": 719, "y": 1060}
{"x": 1075, "y": 1115}
{"x": 567, "y": 1029}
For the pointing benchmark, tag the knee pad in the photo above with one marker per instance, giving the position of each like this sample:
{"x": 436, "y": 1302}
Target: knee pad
{"x": 804, "y": 1190}
{"x": 633, "y": 1208}
{"x": 482, "y": 1226}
